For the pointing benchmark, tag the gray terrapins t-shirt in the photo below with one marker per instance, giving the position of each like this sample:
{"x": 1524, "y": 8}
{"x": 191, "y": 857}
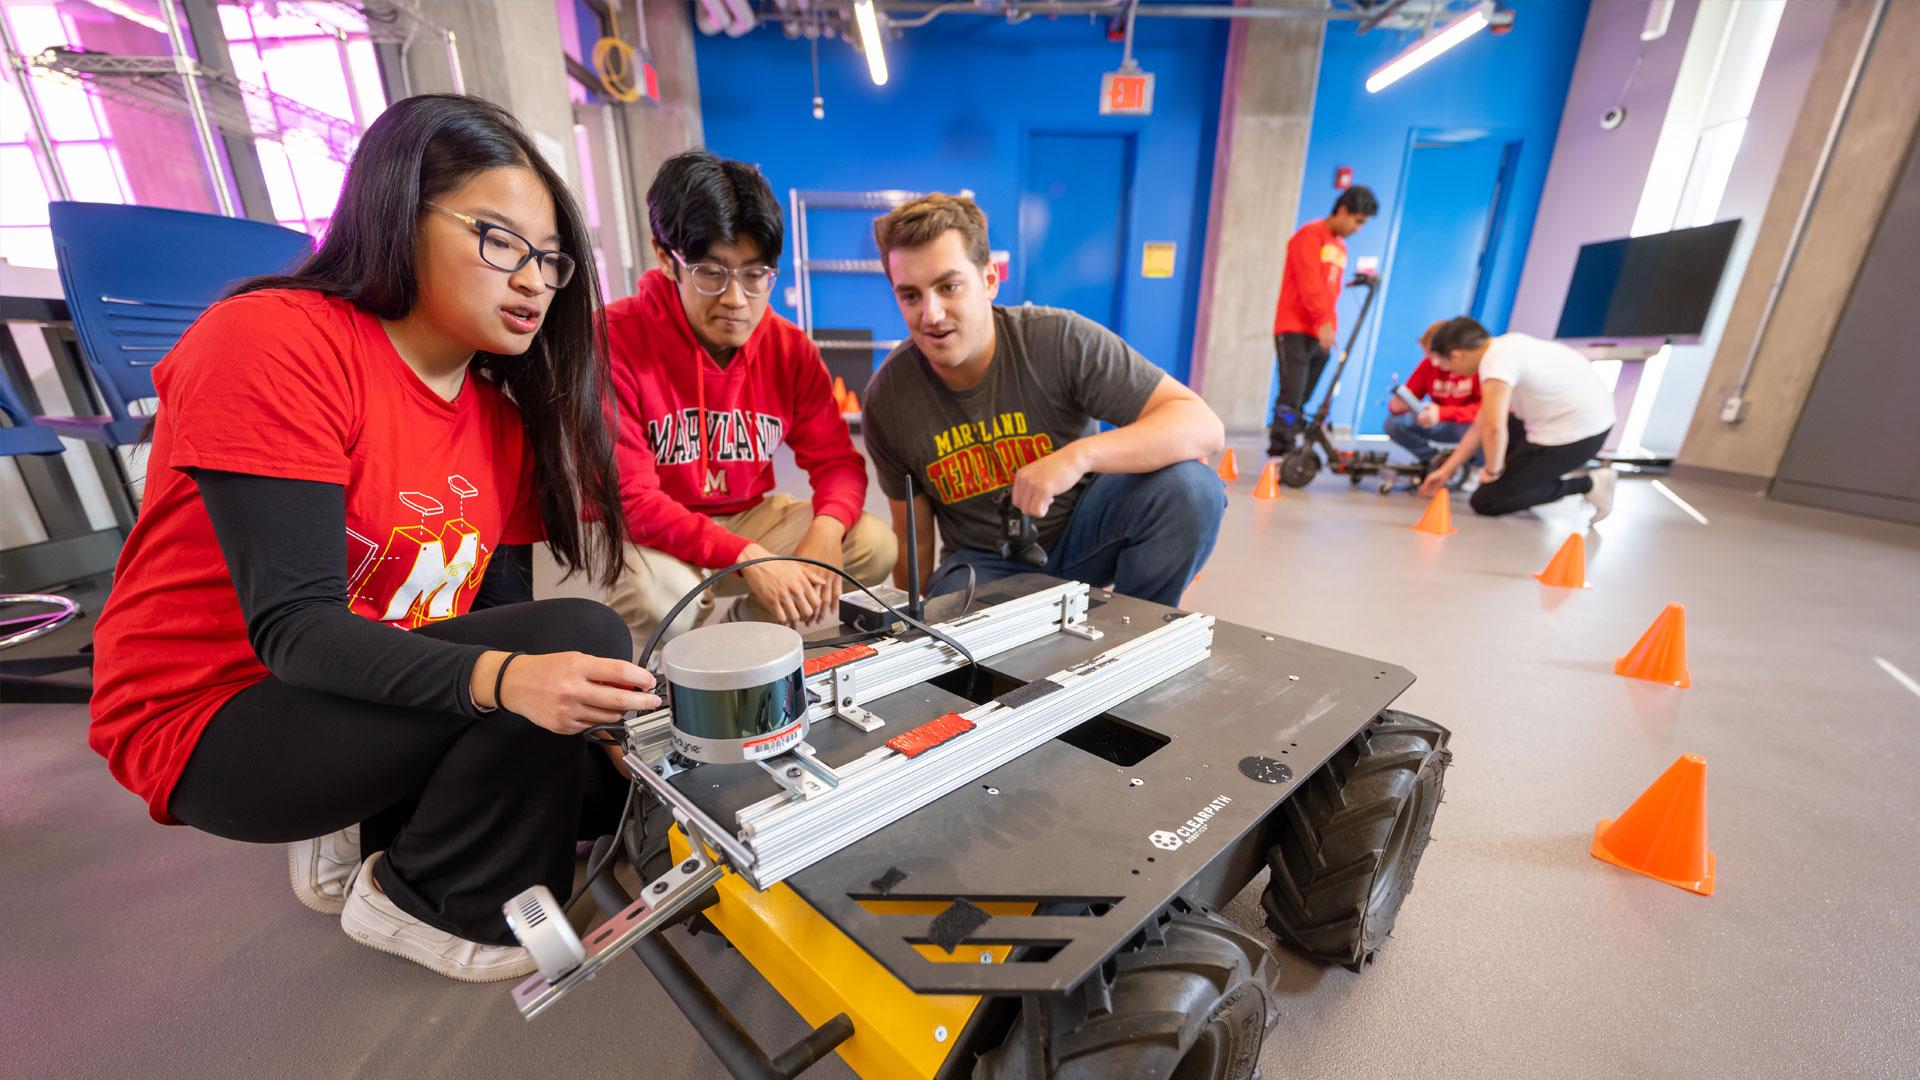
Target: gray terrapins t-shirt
{"x": 1055, "y": 376}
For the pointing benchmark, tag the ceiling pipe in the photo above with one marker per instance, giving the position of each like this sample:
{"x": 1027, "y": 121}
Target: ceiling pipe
{"x": 1379, "y": 15}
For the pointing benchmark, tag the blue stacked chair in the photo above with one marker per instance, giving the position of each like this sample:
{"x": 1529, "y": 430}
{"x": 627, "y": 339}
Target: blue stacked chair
{"x": 136, "y": 277}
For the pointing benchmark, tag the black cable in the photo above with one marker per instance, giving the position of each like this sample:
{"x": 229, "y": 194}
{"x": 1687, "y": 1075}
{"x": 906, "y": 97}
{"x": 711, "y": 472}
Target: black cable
{"x": 694, "y": 593}
{"x": 595, "y": 870}
{"x": 973, "y": 580}
{"x": 843, "y": 640}
{"x": 626, "y": 810}
{"x": 616, "y": 729}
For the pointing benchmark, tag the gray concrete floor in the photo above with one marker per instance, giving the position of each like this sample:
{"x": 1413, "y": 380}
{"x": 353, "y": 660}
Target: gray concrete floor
{"x": 129, "y": 949}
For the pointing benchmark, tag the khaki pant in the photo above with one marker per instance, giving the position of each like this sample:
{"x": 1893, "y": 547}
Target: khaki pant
{"x": 653, "y": 581}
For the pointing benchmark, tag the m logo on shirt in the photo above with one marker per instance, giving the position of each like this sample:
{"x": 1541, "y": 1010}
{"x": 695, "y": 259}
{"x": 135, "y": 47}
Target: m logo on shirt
{"x": 435, "y": 576}
{"x": 733, "y": 435}
{"x": 1334, "y": 258}
{"x": 418, "y": 575}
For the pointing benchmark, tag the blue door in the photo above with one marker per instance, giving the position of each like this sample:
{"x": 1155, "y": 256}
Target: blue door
{"x": 1441, "y": 259}
{"x": 1073, "y": 215}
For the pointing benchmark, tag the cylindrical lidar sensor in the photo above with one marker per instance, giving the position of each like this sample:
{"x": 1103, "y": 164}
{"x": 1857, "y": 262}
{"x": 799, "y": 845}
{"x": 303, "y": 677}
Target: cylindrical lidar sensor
{"x": 735, "y": 690}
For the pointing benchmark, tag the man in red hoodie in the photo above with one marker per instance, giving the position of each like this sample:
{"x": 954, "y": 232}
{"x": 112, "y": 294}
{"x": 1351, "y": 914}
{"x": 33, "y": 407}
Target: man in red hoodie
{"x": 1444, "y": 420}
{"x": 709, "y": 383}
{"x": 1304, "y": 322}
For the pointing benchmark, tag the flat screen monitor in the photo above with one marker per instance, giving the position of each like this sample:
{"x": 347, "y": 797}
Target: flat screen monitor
{"x": 1641, "y": 288}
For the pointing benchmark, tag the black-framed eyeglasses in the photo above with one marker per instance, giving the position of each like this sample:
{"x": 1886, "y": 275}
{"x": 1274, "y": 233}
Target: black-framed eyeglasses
{"x": 710, "y": 279}
{"x": 508, "y": 251}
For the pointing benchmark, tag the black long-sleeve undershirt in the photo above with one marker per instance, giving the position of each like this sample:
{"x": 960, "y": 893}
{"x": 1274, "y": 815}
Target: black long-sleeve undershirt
{"x": 283, "y": 544}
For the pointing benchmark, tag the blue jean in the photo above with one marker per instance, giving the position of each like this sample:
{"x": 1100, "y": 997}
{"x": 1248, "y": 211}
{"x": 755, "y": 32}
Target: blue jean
{"x": 1407, "y": 433}
{"x": 1145, "y": 534}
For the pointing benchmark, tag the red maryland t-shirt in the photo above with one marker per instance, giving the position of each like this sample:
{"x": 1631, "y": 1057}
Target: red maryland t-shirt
{"x": 306, "y": 387}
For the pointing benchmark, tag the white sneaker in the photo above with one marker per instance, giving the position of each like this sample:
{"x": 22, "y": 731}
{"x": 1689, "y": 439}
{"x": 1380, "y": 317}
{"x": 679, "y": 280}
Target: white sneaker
{"x": 374, "y": 921}
{"x": 322, "y": 869}
{"x": 1602, "y": 494}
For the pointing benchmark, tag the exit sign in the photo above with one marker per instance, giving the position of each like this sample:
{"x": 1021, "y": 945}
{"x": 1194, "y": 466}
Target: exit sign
{"x": 1128, "y": 92}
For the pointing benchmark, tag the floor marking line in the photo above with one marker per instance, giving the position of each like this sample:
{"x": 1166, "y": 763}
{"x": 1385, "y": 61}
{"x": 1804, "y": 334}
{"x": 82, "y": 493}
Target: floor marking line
{"x": 1679, "y": 502}
{"x": 1899, "y": 676}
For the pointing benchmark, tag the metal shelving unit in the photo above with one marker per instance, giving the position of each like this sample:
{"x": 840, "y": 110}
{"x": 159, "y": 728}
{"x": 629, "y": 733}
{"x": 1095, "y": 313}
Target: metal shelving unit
{"x": 158, "y": 84}
{"x": 388, "y": 22}
{"x": 805, "y": 265}
{"x": 178, "y": 85}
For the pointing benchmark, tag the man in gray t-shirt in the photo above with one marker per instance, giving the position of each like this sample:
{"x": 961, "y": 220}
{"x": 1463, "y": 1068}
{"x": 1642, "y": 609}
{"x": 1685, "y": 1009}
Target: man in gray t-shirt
{"x": 996, "y": 412}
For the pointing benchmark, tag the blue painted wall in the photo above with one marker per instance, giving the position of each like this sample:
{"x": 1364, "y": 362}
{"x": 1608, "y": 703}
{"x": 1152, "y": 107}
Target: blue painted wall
{"x": 964, "y": 93}
{"x": 1513, "y": 85}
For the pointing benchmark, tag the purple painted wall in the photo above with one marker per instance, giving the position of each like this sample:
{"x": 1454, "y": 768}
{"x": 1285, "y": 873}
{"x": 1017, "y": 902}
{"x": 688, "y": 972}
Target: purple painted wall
{"x": 1595, "y": 178}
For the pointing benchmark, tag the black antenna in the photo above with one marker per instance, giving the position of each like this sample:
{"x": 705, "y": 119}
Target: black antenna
{"x": 915, "y": 606}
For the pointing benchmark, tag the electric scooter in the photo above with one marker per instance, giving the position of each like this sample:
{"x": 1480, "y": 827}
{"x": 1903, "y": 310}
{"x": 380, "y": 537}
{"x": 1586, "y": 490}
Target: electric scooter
{"x": 1299, "y": 466}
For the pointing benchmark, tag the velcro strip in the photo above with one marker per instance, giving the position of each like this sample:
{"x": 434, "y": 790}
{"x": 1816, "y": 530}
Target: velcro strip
{"x": 834, "y": 659}
{"x": 930, "y": 734}
{"x": 1020, "y": 695}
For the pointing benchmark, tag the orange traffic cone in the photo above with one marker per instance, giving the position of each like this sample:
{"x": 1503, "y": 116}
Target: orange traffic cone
{"x": 1228, "y": 470}
{"x": 1438, "y": 520}
{"x": 1568, "y": 570}
{"x": 1269, "y": 485}
{"x": 839, "y": 389}
{"x": 850, "y": 404}
{"x": 1664, "y": 833}
{"x": 1661, "y": 653}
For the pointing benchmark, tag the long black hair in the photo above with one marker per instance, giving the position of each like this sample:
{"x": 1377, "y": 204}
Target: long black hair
{"x": 418, "y": 150}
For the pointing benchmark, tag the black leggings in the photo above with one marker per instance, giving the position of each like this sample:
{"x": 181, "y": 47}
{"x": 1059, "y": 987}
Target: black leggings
{"x": 1301, "y": 359}
{"x": 1533, "y": 474}
{"x": 469, "y": 811}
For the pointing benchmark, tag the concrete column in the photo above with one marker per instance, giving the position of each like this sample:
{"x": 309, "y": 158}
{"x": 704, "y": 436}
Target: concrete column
{"x": 510, "y": 54}
{"x": 1867, "y": 161}
{"x": 1266, "y": 113}
{"x": 654, "y": 133}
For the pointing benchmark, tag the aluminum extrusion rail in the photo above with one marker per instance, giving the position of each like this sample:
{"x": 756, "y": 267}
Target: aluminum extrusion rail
{"x": 786, "y": 835}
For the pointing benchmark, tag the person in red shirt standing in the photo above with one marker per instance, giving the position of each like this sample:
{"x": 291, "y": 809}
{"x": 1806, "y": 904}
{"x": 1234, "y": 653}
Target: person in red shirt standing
{"x": 709, "y": 383}
{"x": 1444, "y": 420}
{"x": 322, "y": 625}
{"x": 1304, "y": 323}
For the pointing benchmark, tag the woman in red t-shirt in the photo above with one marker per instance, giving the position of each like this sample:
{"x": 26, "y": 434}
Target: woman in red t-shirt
{"x": 323, "y": 624}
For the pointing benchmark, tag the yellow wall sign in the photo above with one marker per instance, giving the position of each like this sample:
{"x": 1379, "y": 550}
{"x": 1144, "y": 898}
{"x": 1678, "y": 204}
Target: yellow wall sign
{"x": 1156, "y": 260}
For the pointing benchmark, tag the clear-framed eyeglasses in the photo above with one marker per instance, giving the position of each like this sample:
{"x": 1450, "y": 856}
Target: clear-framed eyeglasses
{"x": 710, "y": 279}
{"x": 508, "y": 251}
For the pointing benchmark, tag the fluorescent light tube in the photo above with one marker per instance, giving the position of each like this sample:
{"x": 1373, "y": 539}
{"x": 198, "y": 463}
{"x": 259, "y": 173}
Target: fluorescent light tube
{"x": 1426, "y": 49}
{"x": 863, "y": 16}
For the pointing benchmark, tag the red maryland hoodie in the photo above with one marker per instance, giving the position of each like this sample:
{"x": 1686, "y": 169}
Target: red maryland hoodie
{"x": 696, "y": 440}
{"x": 1457, "y": 395}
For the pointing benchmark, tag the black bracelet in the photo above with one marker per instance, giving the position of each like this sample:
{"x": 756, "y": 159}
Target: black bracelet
{"x": 500, "y": 678}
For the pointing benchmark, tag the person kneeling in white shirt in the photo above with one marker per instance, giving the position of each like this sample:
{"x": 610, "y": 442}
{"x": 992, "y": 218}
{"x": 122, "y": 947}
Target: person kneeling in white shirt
{"x": 1544, "y": 413}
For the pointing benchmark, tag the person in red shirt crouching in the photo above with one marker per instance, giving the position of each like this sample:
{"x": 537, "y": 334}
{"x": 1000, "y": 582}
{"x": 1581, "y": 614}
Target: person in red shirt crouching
{"x": 709, "y": 383}
{"x": 323, "y": 624}
{"x": 1445, "y": 420}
